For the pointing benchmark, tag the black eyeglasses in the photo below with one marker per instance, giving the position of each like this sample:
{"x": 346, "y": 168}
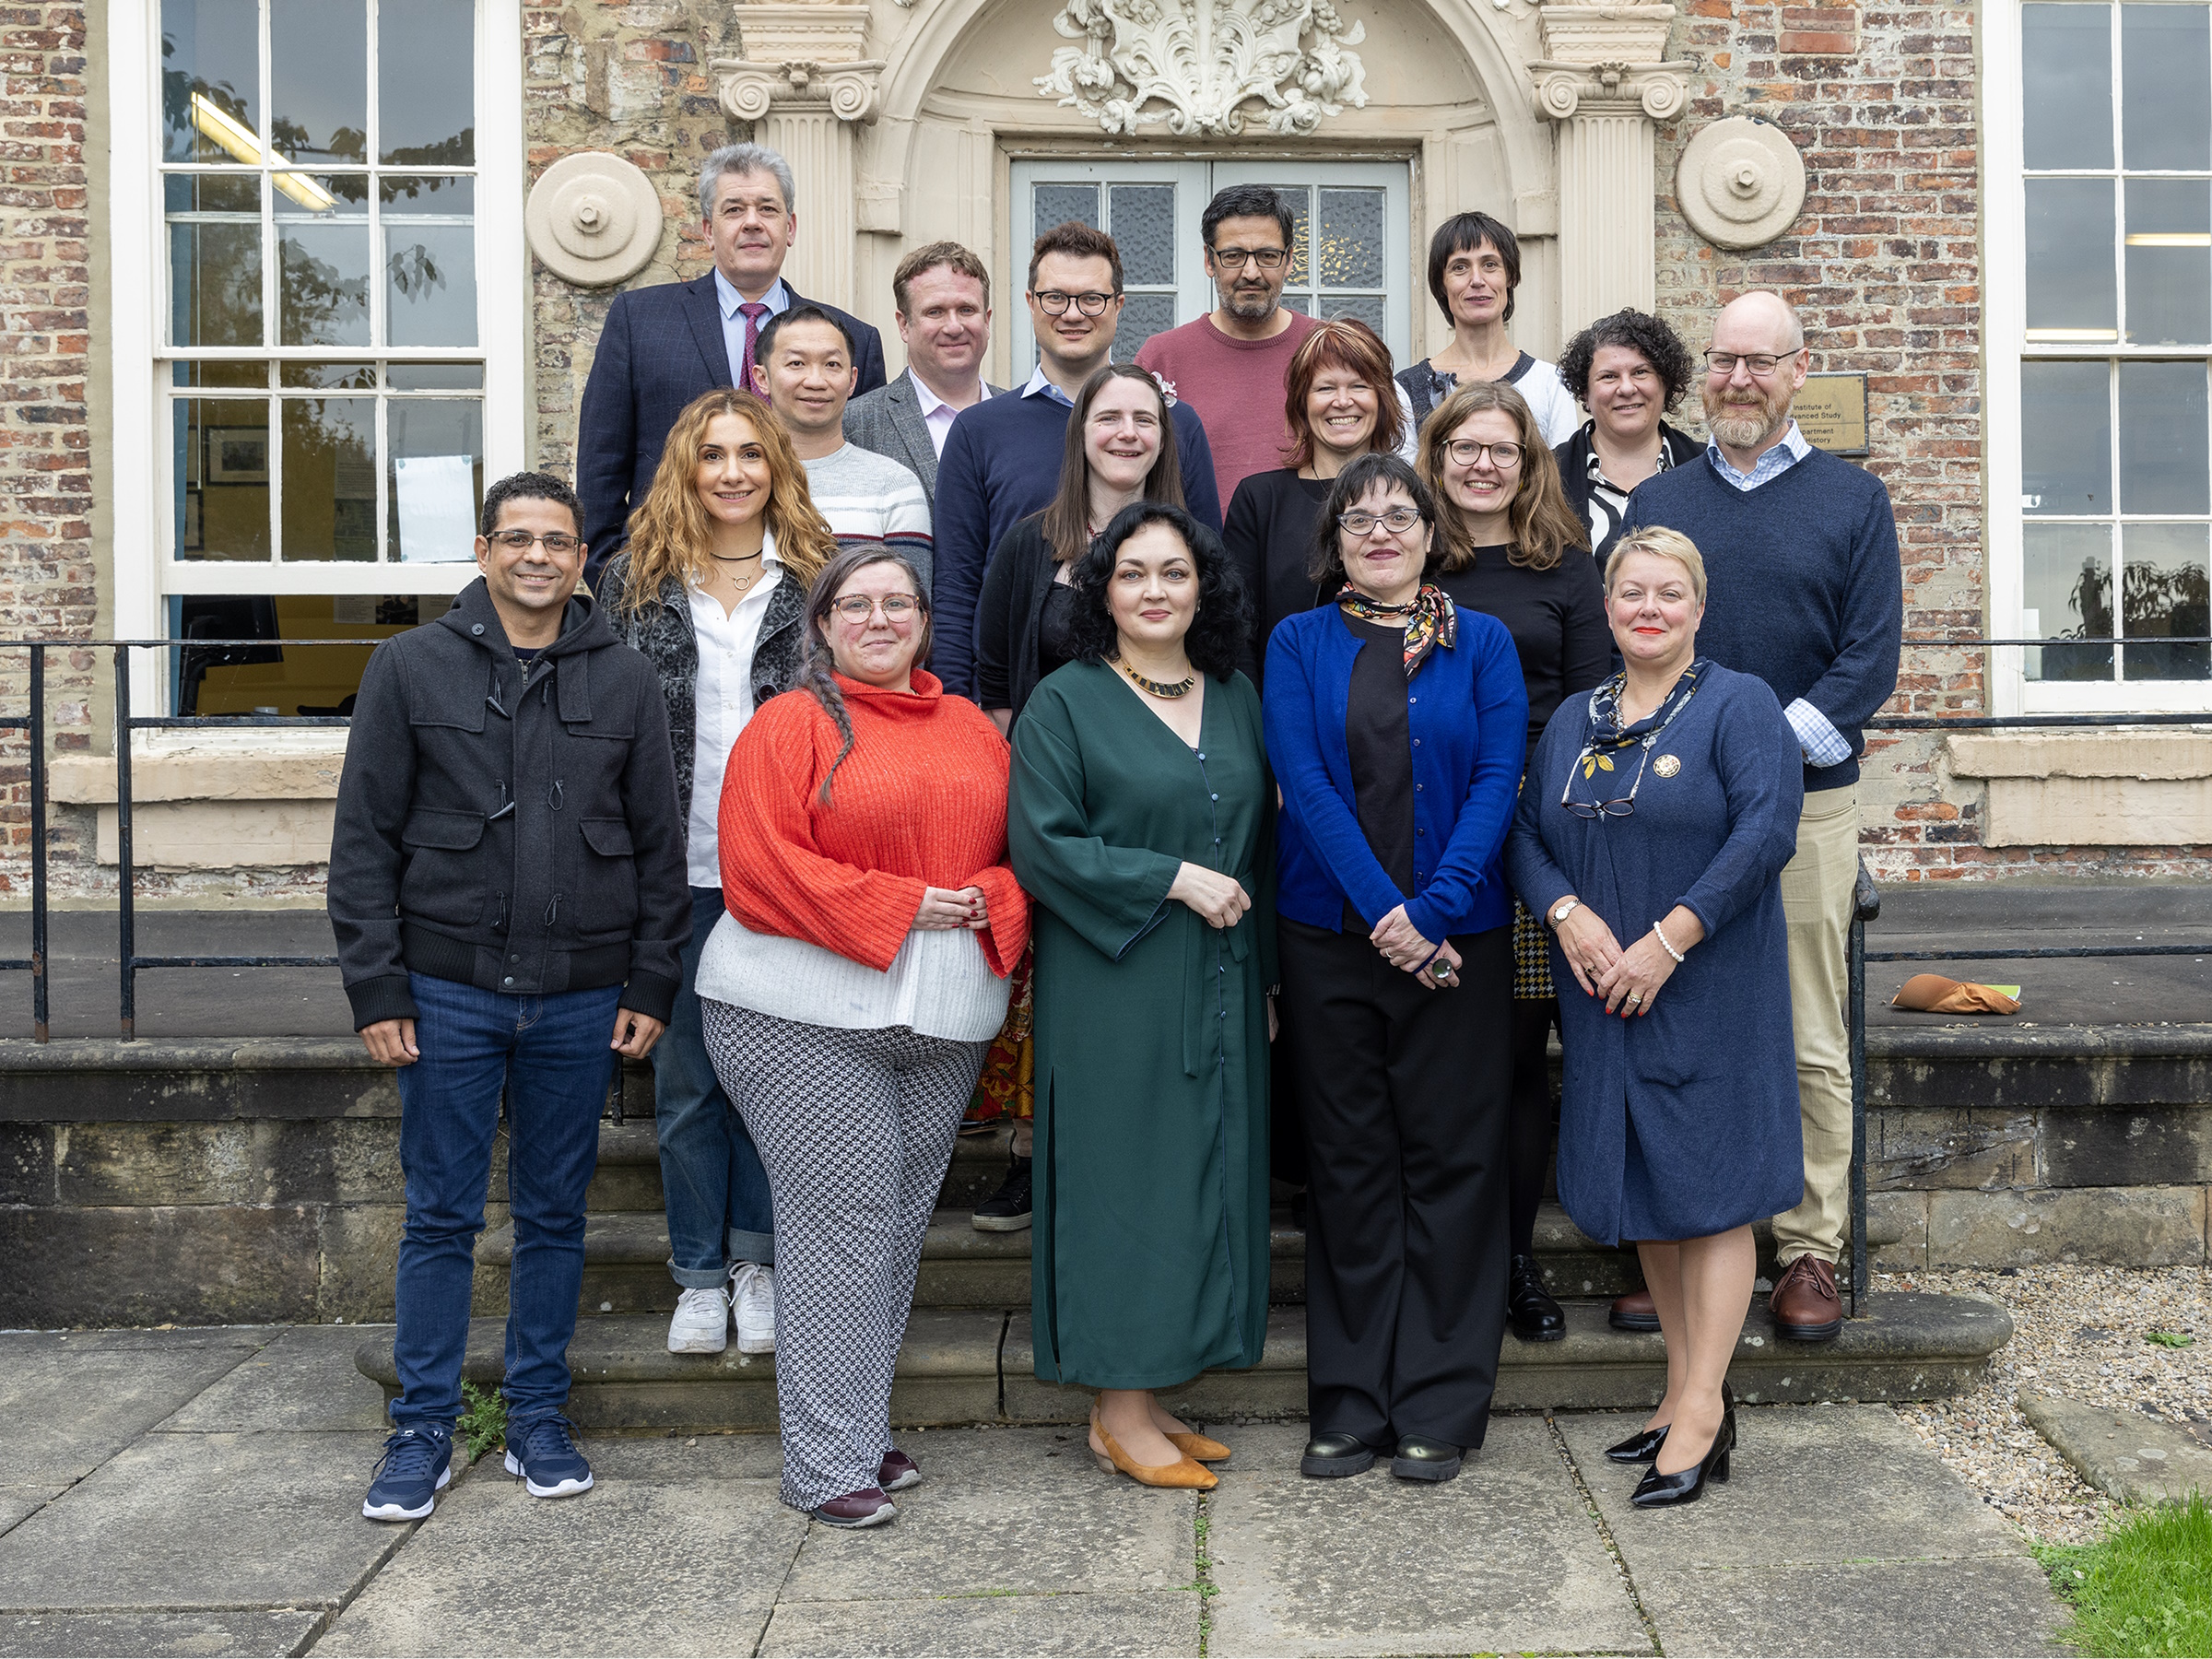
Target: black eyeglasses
{"x": 1621, "y": 807}
{"x": 1233, "y": 259}
{"x": 1758, "y": 363}
{"x": 1398, "y": 519}
{"x": 518, "y": 541}
{"x": 1055, "y": 303}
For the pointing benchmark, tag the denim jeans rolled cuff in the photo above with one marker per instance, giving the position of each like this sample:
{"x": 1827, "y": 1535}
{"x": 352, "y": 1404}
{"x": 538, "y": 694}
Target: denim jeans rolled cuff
{"x": 716, "y": 1190}
{"x": 548, "y": 1056}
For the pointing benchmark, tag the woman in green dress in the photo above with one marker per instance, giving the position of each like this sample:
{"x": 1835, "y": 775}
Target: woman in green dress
{"x": 1142, "y": 828}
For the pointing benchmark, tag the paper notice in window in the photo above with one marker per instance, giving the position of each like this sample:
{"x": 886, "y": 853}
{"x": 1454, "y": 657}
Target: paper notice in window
{"x": 437, "y": 508}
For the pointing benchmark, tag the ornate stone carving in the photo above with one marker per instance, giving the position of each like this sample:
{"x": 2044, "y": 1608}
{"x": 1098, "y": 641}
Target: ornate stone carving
{"x": 1631, "y": 32}
{"x": 1564, "y": 91}
{"x": 594, "y": 220}
{"x": 1741, "y": 183}
{"x": 1194, "y": 64}
{"x": 801, "y": 54}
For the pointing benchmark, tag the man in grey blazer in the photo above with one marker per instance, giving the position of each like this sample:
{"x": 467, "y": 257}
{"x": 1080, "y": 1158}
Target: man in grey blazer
{"x": 943, "y": 295}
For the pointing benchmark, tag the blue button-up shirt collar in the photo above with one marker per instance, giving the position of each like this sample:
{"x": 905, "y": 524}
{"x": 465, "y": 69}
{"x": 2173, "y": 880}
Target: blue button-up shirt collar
{"x": 1771, "y": 465}
{"x": 1039, "y": 385}
{"x": 727, "y": 298}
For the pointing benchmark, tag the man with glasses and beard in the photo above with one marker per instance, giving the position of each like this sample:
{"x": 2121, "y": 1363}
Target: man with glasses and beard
{"x": 1805, "y": 591}
{"x": 1002, "y": 462}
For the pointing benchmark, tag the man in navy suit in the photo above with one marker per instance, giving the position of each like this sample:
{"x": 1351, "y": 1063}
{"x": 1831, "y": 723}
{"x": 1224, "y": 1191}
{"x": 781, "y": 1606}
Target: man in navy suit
{"x": 665, "y": 346}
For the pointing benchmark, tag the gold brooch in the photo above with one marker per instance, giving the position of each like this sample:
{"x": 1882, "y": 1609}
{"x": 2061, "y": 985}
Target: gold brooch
{"x": 1667, "y": 766}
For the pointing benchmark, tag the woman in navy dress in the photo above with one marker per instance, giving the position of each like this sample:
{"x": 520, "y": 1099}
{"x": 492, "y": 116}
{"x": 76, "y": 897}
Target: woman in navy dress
{"x": 1660, "y": 810}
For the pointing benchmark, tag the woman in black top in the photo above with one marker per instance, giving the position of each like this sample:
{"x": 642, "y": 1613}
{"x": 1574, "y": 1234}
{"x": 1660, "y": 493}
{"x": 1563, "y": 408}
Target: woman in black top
{"x": 1115, "y": 456}
{"x": 1513, "y": 550}
{"x": 1340, "y": 405}
{"x": 1627, "y": 369}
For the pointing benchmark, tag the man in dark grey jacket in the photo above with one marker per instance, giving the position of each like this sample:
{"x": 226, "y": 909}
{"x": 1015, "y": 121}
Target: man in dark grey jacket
{"x": 507, "y": 887}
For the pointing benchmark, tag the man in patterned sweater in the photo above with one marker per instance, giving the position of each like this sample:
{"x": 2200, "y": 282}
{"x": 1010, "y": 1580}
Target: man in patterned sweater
{"x": 804, "y": 366}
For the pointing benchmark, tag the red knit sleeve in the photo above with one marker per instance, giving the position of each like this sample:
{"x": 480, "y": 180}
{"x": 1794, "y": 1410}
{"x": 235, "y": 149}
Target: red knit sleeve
{"x": 775, "y": 878}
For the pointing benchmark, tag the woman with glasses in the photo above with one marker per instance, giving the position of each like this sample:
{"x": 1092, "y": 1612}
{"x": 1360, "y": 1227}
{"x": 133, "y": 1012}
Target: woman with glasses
{"x": 1141, "y": 820}
{"x": 1118, "y": 452}
{"x": 1659, "y": 813}
{"x": 848, "y": 996}
{"x": 1340, "y": 405}
{"x": 1474, "y": 267}
{"x": 1513, "y": 549}
{"x": 711, "y": 587}
{"x": 1628, "y": 369}
{"x": 1395, "y": 722}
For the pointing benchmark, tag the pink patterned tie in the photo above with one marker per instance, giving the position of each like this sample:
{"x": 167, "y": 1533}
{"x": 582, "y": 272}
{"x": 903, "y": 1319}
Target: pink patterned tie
{"x": 752, "y": 312}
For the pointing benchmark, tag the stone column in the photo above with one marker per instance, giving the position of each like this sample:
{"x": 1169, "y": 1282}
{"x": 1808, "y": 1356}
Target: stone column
{"x": 804, "y": 85}
{"x": 1606, "y": 81}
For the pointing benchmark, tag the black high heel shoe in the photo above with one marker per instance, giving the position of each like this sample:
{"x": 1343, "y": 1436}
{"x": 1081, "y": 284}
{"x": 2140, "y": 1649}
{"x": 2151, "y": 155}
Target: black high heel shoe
{"x": 1687, "y": 1486}
{"x": 1643, "y": 1445}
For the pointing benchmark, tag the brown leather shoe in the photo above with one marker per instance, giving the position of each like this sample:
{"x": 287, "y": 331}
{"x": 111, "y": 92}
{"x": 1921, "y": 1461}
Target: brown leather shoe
{"x": 1635, "y": 1312}
{"x": 1804, "y": 1301}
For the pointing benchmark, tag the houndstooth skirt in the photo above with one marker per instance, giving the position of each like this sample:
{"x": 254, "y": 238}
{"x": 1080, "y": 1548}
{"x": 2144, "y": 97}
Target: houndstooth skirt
{"x": 1532, "y": 957}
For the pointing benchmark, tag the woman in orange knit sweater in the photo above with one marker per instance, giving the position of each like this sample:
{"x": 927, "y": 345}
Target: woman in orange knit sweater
{"x": 848, "y": 996}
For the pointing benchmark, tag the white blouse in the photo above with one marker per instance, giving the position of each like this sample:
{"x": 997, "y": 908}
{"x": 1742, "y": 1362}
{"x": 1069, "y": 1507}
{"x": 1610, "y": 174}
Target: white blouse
{"x": 721, "y": 703}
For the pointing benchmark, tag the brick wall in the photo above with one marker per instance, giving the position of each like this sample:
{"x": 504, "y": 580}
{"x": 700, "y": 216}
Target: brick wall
{"x": 1884, "y": 262}
{"x": 46, "y": 572}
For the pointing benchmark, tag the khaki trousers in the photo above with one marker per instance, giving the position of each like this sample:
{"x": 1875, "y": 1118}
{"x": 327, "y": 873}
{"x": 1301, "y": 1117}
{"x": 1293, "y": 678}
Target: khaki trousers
{"x": 1816, "y": 898}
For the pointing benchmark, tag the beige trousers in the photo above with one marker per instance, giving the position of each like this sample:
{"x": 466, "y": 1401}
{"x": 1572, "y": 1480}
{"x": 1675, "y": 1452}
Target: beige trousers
{"x": 1815, "y": 898}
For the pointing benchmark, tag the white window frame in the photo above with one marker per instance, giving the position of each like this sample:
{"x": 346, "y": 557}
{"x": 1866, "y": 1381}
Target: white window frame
{"x": 2004, "y": 349}
{"x": 146, "y": 569}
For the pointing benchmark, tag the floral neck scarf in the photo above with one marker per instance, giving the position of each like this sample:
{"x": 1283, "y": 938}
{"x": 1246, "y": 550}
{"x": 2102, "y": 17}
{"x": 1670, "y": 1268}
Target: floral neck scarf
{"x": 1607, "y": 736}
{"x": 1431, "y": 619}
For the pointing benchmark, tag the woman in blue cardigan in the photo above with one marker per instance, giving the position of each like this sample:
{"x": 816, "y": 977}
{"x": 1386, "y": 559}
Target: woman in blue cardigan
{"x": 1395, "y": 724}
{"x": 1659, "y": 812}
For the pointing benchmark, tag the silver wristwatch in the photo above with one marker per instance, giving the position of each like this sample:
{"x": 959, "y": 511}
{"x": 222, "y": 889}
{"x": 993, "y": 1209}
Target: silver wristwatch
{"x": 1565, "y": 909}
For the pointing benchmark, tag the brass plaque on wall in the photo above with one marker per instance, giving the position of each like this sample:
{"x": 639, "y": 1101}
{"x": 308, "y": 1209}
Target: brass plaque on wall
{"x": 1831, "y": 412}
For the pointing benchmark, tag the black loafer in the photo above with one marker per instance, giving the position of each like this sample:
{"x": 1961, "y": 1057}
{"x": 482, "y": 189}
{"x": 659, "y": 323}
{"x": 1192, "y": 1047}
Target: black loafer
{"x": 1529, "y": 1308}
{"x": 1420, "y": 1459}
{"x": 1333, "y": 1456}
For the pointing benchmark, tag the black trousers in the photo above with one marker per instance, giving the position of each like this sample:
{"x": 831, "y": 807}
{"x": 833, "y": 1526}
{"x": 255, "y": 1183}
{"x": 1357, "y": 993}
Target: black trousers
{"x": 1405, "y": 1094}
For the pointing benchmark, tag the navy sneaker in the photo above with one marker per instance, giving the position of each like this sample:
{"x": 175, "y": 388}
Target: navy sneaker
{"x": 418, "y": 1463}
{"x": 545, "y": 1455}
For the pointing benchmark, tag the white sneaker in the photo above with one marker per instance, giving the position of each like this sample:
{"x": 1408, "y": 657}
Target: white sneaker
{"x": 701, "y": 1324}
{"x": 753, "y": 1305}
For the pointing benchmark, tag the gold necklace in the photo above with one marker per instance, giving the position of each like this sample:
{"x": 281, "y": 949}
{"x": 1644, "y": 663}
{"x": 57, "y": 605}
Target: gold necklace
{"x": 1181, "y": 687}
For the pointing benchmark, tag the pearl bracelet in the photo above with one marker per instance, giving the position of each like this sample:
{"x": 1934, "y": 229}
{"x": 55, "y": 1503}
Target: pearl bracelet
{"x": 1665, "y": 945}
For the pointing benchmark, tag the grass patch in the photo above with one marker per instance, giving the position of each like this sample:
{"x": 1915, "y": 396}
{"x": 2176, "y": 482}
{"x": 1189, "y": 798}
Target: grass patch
{"x": 483, "y": 1425}
{"x": 2144, "y": 1589}
{"x": 2173, "y": 1339}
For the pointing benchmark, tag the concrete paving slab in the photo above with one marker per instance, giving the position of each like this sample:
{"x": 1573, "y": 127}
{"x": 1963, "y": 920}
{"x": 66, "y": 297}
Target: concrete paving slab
{"x": 1503, "y": 1559}
{"x": 127, "y": 1635}
{"x": 71, "y": 1401}
{"x": 1006, "y": 1509}
{"x": 304, "y": 1380}
{"x": 1964, "y": 1608}
{"x": 631, "y": 1566}
{"x": 17, "y": 1504}
{"x": 186, "y": 1521}
{"x": 1161, "y": 1623}
{"x": 2137, "y": 1459}
{"x": 1812, "y": 1485}
{"x": 703, "y": 1457}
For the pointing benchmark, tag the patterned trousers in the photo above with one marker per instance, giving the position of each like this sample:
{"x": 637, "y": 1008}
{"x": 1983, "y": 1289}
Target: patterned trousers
{"x": 854, "y": 1129}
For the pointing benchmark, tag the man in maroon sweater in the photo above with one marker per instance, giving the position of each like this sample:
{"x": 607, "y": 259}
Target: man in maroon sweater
{"x": 1230, "y": 364}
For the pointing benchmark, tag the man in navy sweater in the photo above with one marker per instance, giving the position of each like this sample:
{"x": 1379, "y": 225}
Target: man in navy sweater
{"x": 1805, "y": 591}
{"x": 1002, "y": 460}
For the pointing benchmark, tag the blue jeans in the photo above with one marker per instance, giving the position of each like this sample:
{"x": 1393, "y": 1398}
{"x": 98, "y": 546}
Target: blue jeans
{"x": 716, "y": 1190}
{"x": 550, "y": 1056}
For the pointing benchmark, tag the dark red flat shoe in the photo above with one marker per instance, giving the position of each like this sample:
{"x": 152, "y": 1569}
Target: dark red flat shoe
{"x": 899, "y": 1471}
{"x": 867, "y": 1507}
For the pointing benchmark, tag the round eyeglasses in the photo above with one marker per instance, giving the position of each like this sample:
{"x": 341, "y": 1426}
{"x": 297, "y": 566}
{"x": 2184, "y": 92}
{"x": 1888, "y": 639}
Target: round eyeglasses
{"x": 1055, "y": 303}
{"x": 1398, "y": 519}
{"x": 896, "y": 608}
{"x": 1466, "y": 452}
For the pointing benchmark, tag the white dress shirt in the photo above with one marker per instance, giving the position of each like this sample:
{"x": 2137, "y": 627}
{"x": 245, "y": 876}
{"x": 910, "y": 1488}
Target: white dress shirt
{"x": 721, "y": 703}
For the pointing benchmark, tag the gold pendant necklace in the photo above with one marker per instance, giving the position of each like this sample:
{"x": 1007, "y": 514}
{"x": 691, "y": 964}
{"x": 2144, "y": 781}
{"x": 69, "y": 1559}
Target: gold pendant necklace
{"x": 1181, "y": 687}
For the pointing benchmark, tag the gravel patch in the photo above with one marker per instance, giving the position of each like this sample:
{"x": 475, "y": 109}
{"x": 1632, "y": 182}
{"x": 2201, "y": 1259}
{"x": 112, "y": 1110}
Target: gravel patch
{"x": 2082, "y": 1332}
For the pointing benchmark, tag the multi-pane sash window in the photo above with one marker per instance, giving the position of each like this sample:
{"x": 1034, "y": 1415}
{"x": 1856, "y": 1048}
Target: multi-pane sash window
{"x": 323, "y": 359}
{"x": 2115, "y": 412}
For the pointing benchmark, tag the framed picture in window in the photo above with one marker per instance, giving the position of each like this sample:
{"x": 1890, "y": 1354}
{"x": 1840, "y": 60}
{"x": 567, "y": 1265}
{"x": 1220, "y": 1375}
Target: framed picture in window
{"x": 238, "y": 454}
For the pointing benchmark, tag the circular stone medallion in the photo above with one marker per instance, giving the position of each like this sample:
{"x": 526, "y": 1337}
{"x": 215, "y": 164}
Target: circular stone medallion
{"x": 594, "y": 220}
{"x": 1741, "y": 183}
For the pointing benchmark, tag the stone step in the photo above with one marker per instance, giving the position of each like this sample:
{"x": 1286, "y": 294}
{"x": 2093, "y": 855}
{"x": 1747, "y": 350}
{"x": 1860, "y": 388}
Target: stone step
{"x": 976, "y": 1367}
{"x": 626, "y": 1264}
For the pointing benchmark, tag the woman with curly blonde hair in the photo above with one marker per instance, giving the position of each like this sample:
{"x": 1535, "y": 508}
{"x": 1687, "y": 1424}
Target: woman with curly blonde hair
{"x": 713, "y": 588}
{"x": 1513, "y": 548}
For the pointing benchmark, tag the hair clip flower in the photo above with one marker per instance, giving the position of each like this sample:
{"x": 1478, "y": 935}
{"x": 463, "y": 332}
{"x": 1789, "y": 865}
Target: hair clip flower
{"x": 1167, "y": 386}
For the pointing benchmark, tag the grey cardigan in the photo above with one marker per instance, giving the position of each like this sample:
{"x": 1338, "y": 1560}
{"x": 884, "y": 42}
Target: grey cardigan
{"x": 661, "y": 627}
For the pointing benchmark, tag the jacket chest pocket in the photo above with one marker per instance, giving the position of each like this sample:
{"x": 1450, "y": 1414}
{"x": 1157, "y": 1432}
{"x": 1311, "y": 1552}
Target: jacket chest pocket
{"x": 445, "y": 882}
{"x": 606, "y": 893}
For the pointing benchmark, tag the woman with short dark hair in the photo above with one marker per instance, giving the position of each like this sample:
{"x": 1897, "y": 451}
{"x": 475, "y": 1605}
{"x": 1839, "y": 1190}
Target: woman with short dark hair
{"x": 1474, "y": 267}
{"x": 1395, "y": 721}
{"x": 1628, "y": 369}
{"x": 1141, "y": 827}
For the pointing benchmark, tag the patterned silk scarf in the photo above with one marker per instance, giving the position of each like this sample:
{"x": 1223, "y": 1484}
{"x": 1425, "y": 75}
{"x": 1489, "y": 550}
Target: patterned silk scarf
{"x": 1607, "y": 736}
{"x": 1431, "y": 619}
